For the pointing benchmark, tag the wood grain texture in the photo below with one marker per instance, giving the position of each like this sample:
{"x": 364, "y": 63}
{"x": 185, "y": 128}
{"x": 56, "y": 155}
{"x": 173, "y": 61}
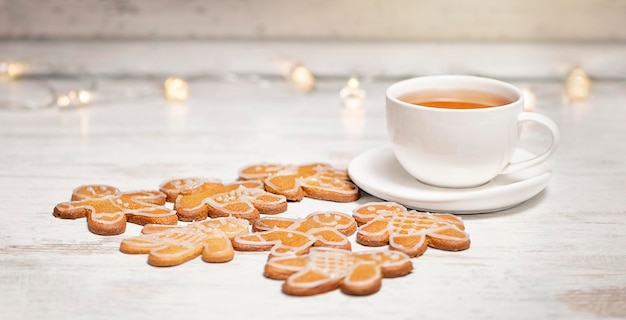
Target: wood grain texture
{"x": 482, "y": 20}
{"x": 560, "y": 255}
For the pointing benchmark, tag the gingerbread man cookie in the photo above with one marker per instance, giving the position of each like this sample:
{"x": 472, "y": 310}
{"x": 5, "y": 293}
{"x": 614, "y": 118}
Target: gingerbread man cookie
{"x": 330, "y": 229}
{"x": 173, "y": 245}
{"x": 107, "y": 209}
{"x": 198, "y": 198}
{"x": 326, "y": 269}
{"x": 410, "y": 232}
{"x": 316, "y": 180}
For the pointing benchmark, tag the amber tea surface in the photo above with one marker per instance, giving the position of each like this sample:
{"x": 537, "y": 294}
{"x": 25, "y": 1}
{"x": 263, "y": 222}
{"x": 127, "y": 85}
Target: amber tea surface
{"x": 455, "y": 99}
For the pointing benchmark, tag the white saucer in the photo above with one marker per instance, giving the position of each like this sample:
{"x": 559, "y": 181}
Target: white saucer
{"x": 378, "y": 173}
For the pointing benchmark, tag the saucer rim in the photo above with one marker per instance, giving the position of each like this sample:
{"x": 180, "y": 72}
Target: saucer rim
{"x": 440, "y": 196}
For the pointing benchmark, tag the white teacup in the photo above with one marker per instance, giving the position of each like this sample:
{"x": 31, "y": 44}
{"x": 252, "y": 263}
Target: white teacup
{"x": 459, "y": 148}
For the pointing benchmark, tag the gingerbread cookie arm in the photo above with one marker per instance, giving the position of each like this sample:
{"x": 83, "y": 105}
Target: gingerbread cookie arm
{"x": 220, "y": 232}
{"x": 449, "y": 237}
{"x": 330, "y": 238}
{"x": 329, "y": 188}
{"x": 374, "y": 233}
{"x": 413, "y": 245}
{"x": 217, "y": 248}
{"x": 366, "y": 277}
{"x": 106, "y": 223}
{"x": 279, "y": 242}
{"x": 309, "y": 281}
{"x": 72, "y": 210}
{"x": 449, "y": 219}
{"x": 362, "y": 279}
{"x": 280, "y": 268}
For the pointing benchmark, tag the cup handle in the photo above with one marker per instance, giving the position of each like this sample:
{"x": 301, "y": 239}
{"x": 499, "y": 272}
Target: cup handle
{"x": 554, "y": 131}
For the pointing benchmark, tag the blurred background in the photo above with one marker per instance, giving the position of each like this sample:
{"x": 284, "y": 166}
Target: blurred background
{"x": 518, "y": 40}
{"x": 353, "y": 20}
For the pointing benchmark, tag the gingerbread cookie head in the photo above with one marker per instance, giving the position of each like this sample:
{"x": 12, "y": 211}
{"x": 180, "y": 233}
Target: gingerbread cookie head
{"x": 173, "y": 245}
{"x": 317, "y": 180}
{"x": 369, "y": 211}
{"x": 175, "y": 187}
{"x": 198, "y": 198}
{"x": 330, "y": 229}
{"x": 410, "y": 232}
{"x": 327, "y": 269}
{"x": 94, "y": 191}
{"x": 259, "y": 171}
{"x": 109, "y": 210}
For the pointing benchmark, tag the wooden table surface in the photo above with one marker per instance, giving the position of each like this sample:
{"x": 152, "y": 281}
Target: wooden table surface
{"x": 560, "y": 255}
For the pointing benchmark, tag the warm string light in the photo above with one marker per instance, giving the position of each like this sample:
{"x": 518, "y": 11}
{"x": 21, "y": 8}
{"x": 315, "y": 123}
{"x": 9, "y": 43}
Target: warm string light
{"x": 577, "y": 85}
{"x": 352, "y": 94}
{"x": 74, "y": 99}
{"x": 11, "y": 70}
{"x": 298, "y": 76}
{"x": 302, "y": 79}
{"x": 176, "y": 89}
